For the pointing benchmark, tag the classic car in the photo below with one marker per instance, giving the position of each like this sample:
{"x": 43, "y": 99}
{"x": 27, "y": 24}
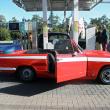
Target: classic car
{"x": 66, "y": 61}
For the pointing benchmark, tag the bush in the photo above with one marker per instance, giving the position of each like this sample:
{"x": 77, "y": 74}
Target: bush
{"x": 15, "y": 35}
{"x": 4, "y": 34}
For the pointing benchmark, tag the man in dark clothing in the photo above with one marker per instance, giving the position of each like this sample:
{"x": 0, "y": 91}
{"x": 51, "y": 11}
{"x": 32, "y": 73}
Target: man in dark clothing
{"x": 104, "y": 39}
{"x": 98, "y": 37}
{"x": 98, "y": 40}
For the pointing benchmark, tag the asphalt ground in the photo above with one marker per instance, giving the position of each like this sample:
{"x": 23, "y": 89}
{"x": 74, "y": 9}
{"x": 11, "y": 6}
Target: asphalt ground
{"x": 45, "y": 94}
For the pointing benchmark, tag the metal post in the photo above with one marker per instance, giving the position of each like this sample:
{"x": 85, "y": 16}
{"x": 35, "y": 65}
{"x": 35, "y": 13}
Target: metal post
{"x": 75, "y": 20}
{"x": 45, "y": 25}
{"x": 51, "y": 19}
{"x": 65, "y": 20}
{"x": 34, "y": 35}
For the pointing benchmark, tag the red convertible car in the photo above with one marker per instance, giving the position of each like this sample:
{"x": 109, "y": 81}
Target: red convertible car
{"x": 67, "y": 61}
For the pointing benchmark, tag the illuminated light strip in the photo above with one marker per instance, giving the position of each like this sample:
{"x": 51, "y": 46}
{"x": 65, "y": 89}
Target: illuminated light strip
{"x": 6, "y": 69}
{"x": 98, "y": 59}
{"x": 24, "y": 57}
{"x": 74, "y": 59}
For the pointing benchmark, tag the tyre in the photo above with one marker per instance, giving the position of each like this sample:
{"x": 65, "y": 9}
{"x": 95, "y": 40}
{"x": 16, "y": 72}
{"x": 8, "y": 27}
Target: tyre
{"x": 26, "y": 74}
{"x": 104, "y": 75}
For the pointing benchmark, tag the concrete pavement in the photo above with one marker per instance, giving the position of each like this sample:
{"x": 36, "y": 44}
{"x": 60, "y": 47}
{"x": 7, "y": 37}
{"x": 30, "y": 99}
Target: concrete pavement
{"x": 46, "y": 95}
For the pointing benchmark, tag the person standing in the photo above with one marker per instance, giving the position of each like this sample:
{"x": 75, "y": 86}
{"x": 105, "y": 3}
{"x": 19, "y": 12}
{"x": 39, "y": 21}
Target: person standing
{"x": 108, "y": 46}
{"x": 104, "y": 39}
{"x": 30, "y": 40}
{"x": 98, "y": 40}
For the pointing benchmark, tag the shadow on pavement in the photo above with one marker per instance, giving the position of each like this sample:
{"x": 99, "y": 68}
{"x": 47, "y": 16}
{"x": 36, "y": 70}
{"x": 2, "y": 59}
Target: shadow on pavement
{"x": 14, "y": 87}
{"x": 26, "y": 89}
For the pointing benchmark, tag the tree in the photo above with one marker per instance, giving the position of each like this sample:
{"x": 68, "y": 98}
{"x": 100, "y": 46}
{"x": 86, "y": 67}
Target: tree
{"x": 101, "y": 23}
{"x": 14, "y": 20}
{"x": 4, "y": 34}
{"x": 59, "y": 28}
{"x": 38, "y": 19}
{"x": 55, "y": 24}
{"x": 3, "y": 23}
{"x": 15, "y": 35}
{"x": 54, "y": 20}
{"x": 2, "y": 19}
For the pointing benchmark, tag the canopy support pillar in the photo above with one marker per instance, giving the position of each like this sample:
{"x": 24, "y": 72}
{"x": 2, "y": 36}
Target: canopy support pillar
{"x": 45, "y": 24}
{"x": 75, "y": 17}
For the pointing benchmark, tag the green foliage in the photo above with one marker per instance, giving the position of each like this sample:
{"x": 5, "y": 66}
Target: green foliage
{"x": 3, "y": 23}
{"x": 101, "y": 22}
{"x": 55, "y": 23}
{"x": 4, "y": 34}
{"x": 38, "y": 19}
{"x": 15, "y": 35}
{"x": 14, "y": 20}
{"x": 59, "y": 28}
{"x": 54, "y": 20}
{"x": 56, "y": 26}
{"x": 2, "y": 19}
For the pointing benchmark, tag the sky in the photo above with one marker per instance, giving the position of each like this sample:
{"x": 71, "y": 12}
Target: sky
{"x": 9, "y": 10}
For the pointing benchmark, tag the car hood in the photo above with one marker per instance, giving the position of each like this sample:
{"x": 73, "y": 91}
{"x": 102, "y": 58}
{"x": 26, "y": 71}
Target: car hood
{"x": 96, "y": 53}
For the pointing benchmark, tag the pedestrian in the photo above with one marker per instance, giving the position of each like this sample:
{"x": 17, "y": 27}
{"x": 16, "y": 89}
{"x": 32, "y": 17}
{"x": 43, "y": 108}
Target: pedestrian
{"x": 98, "y": 40}
{"x": 108, "y": 46}
{"x": 104, "y": 39}
{"x": 30, "y": 40}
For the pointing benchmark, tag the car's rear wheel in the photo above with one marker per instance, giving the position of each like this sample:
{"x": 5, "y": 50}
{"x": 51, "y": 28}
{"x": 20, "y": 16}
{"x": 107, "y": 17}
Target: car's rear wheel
{"x": 104, "y": 75}
{"x": 26, "y": 74}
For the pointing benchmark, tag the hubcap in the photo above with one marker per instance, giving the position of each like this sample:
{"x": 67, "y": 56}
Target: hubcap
{"x": 106, "y": 76}
{"x": 27, "y": 73}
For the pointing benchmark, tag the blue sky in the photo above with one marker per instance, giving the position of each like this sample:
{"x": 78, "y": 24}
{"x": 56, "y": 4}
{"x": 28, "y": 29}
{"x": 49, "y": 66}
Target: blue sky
{"x": 9, "y": 10}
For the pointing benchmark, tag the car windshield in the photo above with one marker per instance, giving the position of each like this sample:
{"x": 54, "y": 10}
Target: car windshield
{"x": 61, "y": 46}
{"x": 52, "y": 38}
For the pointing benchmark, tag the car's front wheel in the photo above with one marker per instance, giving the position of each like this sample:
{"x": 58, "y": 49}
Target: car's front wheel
{"x": 26, "y": 74}
{"x": 104, "y": 75}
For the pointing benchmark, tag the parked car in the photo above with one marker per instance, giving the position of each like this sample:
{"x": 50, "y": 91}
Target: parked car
{"x": 9, "y": 46}
{"x": 67, "y": 61}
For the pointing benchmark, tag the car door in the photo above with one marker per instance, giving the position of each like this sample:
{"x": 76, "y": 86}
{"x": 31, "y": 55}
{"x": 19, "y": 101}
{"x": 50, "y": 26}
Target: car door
{"x": 70, "y": 66}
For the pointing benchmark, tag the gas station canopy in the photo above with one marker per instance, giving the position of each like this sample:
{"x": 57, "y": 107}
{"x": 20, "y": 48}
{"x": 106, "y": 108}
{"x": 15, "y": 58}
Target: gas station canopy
{"x": 56, "y": 5}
